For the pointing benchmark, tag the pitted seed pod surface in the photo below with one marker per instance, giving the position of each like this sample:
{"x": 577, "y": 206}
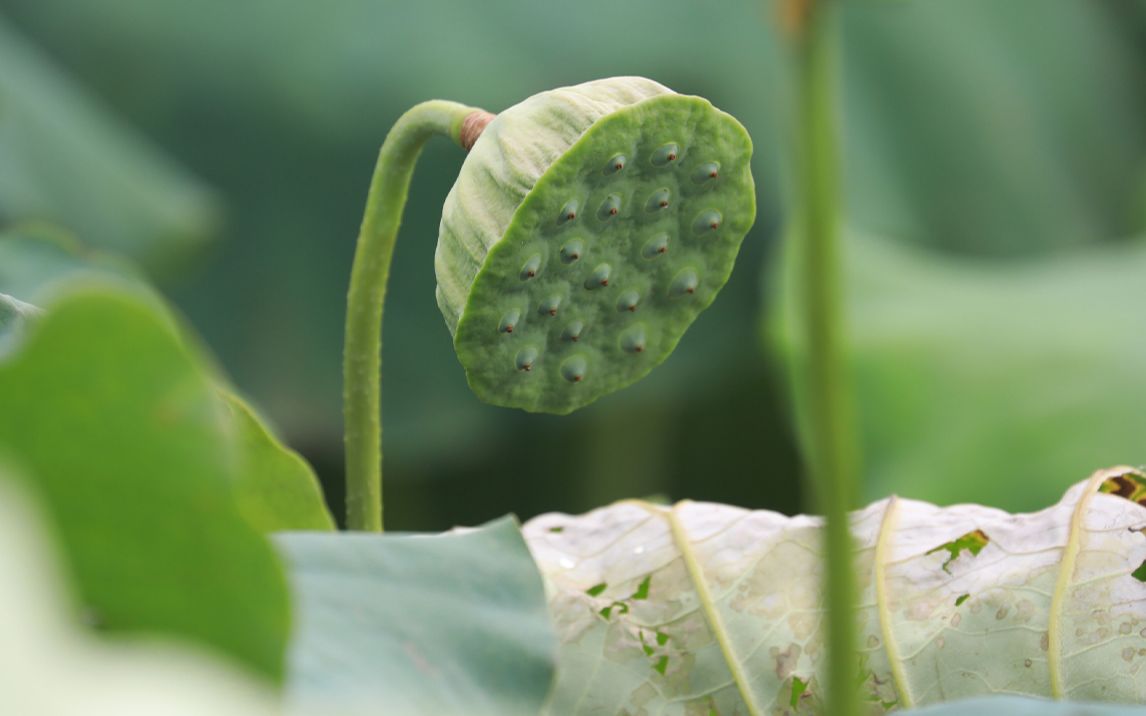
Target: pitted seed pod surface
{"x": 589, "y": 226}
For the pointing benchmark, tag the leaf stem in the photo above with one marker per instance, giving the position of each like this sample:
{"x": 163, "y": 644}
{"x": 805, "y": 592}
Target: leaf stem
{"x": 362, "y": 358}
{"x": 827, "y": 421}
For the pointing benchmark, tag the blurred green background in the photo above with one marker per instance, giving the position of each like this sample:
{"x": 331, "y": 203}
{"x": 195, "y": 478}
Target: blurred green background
{"x": 995, "y": 178}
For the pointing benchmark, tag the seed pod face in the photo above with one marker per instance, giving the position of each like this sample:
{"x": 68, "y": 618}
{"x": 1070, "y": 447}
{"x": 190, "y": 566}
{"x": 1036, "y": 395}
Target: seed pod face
{"x": 602, "y": 196}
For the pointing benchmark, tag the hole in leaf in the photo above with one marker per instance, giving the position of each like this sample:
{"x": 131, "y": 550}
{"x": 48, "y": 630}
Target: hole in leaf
{"x": 1130, "y": 485}
{"x": 661, "y": 665}
{"x": 643, "y": 588}
{"x": 596, "y": 589}
{"x": 556, "y": 530}
{"x": 972, "y": 542}
{"x": 1140, "y": 573}
{"x": 799, "y": 686}
{"x": 961, "y": 598}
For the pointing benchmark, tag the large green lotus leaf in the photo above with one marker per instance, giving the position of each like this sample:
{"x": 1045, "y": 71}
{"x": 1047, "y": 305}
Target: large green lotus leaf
{"x": 419, "y": 624}
{"x": 1017, "y": 706}
{"x": 50, "y": 666}
{"x": 63, "y": 157}
{"x": 276, "y": 489}
{"x": 980, "y": 382}
{"x": 707, "y": 608}
{"x": 121, "y": 434}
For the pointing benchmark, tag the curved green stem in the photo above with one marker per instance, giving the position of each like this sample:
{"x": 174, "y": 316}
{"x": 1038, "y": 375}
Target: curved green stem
{"x": 362, "y": 359}
{"x": 828, "y": 428}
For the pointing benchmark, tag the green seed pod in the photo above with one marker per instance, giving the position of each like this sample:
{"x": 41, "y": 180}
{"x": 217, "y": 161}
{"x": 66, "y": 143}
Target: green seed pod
{"x": 600, "y": 198}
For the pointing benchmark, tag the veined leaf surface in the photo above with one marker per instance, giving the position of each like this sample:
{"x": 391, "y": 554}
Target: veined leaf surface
{"x": 710, "y": 609}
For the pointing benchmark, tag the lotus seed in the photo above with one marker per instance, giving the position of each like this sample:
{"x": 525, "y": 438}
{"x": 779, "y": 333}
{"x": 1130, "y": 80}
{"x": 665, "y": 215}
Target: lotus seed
{"x": 705, "y": 172}
{"x": 572, "y": 251}
{"x": 656, "y": 246}
{"x": 525, "y": 359}
{"x": 707, "y": 221}
{"x": 616, "y": 164}
{"x": 573, "y": 331}
{"x": 531, "y": 267}
{"x": 684, "y": 283}
{"x": 599, "y": 277}
{"x": 629, "y": 301}
{"x": 509, "y": 321}
{"x": 573, "y": 369}
{"x": 658, "y": 200}
{"x": 633, "y": 339}
{"x": 609, "y": 207}
{"x": 666, "y": 155}
{"x": 549, "y": 306}
{"x": 569, "y": 211}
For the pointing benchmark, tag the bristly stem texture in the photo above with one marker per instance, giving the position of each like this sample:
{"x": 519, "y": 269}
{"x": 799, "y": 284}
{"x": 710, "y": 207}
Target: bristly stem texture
{"x": 829, "y": 437}
{"x": 362, "y": 359}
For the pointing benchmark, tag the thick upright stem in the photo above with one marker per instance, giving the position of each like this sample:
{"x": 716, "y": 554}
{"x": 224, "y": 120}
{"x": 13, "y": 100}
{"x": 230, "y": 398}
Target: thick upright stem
{"x": 362, "y": 359}
{"x": 828, "y": 428}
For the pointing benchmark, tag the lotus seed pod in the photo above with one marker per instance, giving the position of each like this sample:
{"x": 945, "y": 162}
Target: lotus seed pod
{"x": 588, "y": 228}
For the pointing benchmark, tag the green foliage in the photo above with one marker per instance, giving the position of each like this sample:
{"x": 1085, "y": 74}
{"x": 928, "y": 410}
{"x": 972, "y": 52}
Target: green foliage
{"x": 119, "y": 433}
{"x": 991, "y": 383}
{"x": 50, "y": 665}
{"x": 276, "y": 489}
{"x": 622, "y": 241}
{"x": 416, "y": 624}
{"x": 66, "y": 158}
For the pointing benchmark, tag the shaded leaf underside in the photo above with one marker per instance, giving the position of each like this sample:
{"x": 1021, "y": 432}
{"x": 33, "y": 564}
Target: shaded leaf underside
{"x": 731, "y": 620}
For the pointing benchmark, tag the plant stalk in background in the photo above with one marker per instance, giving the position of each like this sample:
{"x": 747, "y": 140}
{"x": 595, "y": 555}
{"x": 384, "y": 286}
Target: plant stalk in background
{"x": 823, "y": 391}
{"x": 362, "y": 359}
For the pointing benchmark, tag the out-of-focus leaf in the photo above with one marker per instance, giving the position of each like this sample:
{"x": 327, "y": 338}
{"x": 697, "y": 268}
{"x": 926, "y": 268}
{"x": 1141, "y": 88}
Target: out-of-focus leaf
{"x": 276, "y": 489}
{"x": 1017, "y": 706}
{"x": 64, "y": 158}
{"x": 979, "y": 381}
{"x": 419, "y": 624}
{"x": 121, "y": 435}
{"x": 48, "y": 667}
{"x": 14, "y": 316}
{"x": 36, "y": 259}
{"x": 707, "y": 608}
{"x": 993, "y": 128}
